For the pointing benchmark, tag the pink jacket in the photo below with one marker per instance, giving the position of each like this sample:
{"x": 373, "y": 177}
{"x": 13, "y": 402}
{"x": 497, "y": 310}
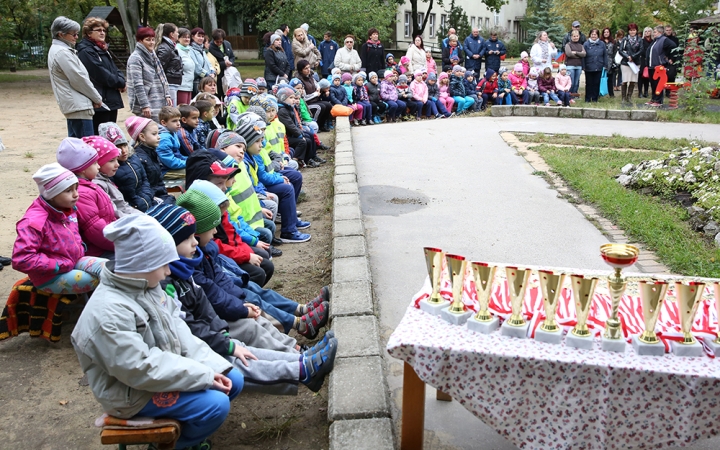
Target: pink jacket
{"x": 431, "y": 66}
{"x": 48, "y": 242}
{"x": 563, "y": 83}
{"x": 419, "y": 91}
{"x": 517, "y": 82}
{"x": 526, "y": 67}
{"x": 444, "y": 90}
{"x": 95, "y": 210}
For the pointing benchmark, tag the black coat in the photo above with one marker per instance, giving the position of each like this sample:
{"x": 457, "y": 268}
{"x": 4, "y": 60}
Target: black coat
{"x": 289, "y": 119}
{"x": 132, "y": 182}
{"x": 151, "y": 163}
{"x": 372, "y": 56}
{"x": 220, "y": 56}
{"x": 596, "y": 58}
{"x": 103, "y": 72}
{"x": 276, "y": 65}
{"x": 633, "y": 51}
{"x": 446, "y": 63}
{"x": 171, "y": 62}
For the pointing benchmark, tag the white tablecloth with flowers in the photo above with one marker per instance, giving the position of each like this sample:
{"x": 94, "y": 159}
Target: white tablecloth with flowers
{"x": 544, "y": 396}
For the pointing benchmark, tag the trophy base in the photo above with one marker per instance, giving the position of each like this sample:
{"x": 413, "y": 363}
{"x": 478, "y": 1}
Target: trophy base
{"x": 614, "y": 345}
{"x": 550, "y": 337}
{"x": 710, "y": 342}
{"x": 455, "y": 318}
{"x": 690, "y": 350}
{"x": 433, "y": 308}
{"x": 512, "y": 331}
{"x": 644, "y": 349}
{"x": 482, "y": 327}
{"x": 584, "y": 343}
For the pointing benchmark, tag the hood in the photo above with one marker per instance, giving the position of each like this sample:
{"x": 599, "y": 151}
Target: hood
{"x": 162, "y": 129}
{"x": 489, "y": 73}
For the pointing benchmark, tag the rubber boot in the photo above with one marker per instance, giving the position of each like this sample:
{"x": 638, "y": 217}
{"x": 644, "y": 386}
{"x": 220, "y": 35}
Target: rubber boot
{"x": 631, "y": 88}
{"x": 624, "y": 93}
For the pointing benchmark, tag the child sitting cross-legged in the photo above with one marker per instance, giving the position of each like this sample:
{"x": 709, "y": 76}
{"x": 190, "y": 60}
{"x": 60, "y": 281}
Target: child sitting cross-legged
{"x": 48, "y": 247}
{"x": 145, "y": 134}
{"x": 108, "y": 160}
{"x": 139, "y": 356}
{"x": 168, "y": 150}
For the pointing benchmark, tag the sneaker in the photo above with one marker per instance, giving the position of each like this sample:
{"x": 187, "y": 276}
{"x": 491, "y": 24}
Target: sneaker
{"x": 547, "y": 104}
{"x": 369, "y": 122}
{"x": 294, "y": 238}
{"x": 276, "y": 241}
{"x": 275, "y": 251}
{"x": 318, "y": 365}
{"x": 356, "y": 123}
{"x": 324, "y": 296}
{"x": 312, "y": 164}
{"x": 277, "y": 218}
{"x": 324, "y": 147}
{"x": 301, "y": 225}
{"x": 319, "y": 160}
{"x": 329, "y": 334}
{"x": 313, "y": 321}
{"x": 298, "y": 213}
{"x": 377, "y": 119}
{"x": 559, "y": 103}
{"x": 572, "y": 102}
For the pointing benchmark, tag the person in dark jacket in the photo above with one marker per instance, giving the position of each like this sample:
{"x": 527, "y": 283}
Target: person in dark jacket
{"x": 568, "y": 36}
{"x": 643, "y": 81}
{"x": 169, "y": 57}
{"x": 474, "y": 47}
{"x": 658, "y": 58}
{"x": 373, "y": 90}
{"x": 327, "y": 49}
{"x": 372, "y": 53}
{"x": 494, "y": 51}
{"x": 276, "y": 62}
{"x": 630, "y": 49}
{"x": 287, "y": 45}
{"x": 94, "y": 53}
{"x": 293, "y": 128}
{"x": 145, "y": 134}
{"x": 593, "y": 64}
{"x": 223, "y": 52}
{"x": 451, "y": 52}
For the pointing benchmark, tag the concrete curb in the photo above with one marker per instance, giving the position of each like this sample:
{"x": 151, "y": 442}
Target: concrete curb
{"x": 358, "y": 405}
{"x": 584, "y": 113}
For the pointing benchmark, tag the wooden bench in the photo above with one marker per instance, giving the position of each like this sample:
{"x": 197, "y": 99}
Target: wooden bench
{"x": 164, "y": 437}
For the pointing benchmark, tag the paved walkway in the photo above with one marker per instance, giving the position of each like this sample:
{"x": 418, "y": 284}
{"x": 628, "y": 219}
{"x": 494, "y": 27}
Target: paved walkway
{"x": 455, "y": 184}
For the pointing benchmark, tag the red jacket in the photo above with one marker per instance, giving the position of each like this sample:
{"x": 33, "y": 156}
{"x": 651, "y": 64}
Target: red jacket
{"x": 95, "y": 211}
{"x": 230, "y": 244}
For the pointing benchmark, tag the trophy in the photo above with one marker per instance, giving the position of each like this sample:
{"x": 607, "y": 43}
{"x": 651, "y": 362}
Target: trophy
{"x": 689, "y": 297}
{"x": 714, "y": 344}
{"x": 517, "y": 280}
{"x": 433, "y": 304}
{"x": 455, "y": 313}
{"x": 652, "y": 295}
{"x": 551, "y": 284}
{"x": 483, "y": 322}
{"x": 583, "y": 291}
{"x": 618, "y": 256}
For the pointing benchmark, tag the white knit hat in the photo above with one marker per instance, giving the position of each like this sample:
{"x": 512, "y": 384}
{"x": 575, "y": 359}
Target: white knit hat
{"x": 141, "y": 244}
{"x": 53, "y": 179}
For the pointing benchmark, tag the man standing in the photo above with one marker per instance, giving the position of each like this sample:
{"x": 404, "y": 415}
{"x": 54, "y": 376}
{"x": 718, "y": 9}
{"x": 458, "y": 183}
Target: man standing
{"x": 494, "y": 49}
{"x": 446, "y": 41}
{"x": 306, "y": 27}
{"x": 327, "y": 49}
{"x": 566, "y": 39}
{"x": 474, "y": 46}
{"x": 658, "y": 61}
{"x": 671, "y": 68}
{"x": 287, "y": 45}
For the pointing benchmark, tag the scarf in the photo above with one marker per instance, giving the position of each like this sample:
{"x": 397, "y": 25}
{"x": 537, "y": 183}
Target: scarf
{"x": 593, "y": 41}
{"x": 152, "y": 60}
{"x": 182, "y": 47}
{"x": 100, "y": 44}
{"x": 184, "y": 267}
{"x": 69, "y": 44}
{"x": 199, "y": 47}
{"x": 545, "y": 50}
{"x": 454, "y": 52}
{"x": 632, "y": 39}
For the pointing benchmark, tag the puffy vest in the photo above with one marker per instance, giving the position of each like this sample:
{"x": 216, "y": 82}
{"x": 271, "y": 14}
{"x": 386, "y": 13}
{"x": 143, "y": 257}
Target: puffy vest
{"x": 243, "y": 201}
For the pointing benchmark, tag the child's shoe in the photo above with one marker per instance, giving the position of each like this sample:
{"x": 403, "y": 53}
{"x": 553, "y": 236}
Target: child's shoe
{"x": 301, "y": 224}
{"x": 323, "y": 297}
{"x": 547, "y": 104}
{"x": 559, "y": 103}
{"x": 309, "y": 324}
{"x": 572, "y": 101}
{"x": 314, "y": 367}
{"x": 294, "y": 238}
{"x": 319, "y": 160}
{"x": 274, "y": 251}
{"x": 369, "y": 122}
{"x": 356, "y": 123}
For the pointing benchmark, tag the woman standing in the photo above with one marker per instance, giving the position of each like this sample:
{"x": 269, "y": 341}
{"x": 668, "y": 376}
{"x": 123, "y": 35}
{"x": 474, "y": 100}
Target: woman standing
{"x": 319, "y": 109}
{"x": 276, "y": 63}
{"x": 347, "y": 58}
{"x": 167, "y": 34}
{"x": 450, "y": 53}
{"x": 70, "y": 81}
{"x": 416, "y": 55}
{"x": 185, "y": 91}
{"x": 643, "y": 80}
{"x": 148, "y": 89}
{"x": 595, "y": 61}
{"x": 202, "y": 64}
{"x": 372, "y": 53}
{"x": 542, "y": 52}
{"x": 223, "y": 52}
{"x": 630, "y": 49}
{"x": 574, "y": 54}
{"x": 609, "y": 67}
{"x": 302, "y": 48}
{"x": 94, "y": 53}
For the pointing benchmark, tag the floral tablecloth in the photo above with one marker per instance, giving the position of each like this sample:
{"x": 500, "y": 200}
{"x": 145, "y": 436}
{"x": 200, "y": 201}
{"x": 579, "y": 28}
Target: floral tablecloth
{"x": 544, "y": 396}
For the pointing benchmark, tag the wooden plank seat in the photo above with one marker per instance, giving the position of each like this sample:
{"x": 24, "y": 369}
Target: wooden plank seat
{"x": 164, "y": 435}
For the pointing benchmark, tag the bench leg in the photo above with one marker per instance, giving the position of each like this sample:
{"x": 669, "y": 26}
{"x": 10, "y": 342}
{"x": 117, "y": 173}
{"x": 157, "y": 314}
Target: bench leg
{"x": 443, "y": 397}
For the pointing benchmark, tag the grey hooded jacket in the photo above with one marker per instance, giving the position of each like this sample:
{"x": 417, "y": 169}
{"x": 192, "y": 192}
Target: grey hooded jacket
{"x": 74, "y": 92}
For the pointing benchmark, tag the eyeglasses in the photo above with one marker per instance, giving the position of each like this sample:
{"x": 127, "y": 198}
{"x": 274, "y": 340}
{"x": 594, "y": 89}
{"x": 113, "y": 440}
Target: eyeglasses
{"x": 99, "y": 30}
{"x": 349, "y": 42}
{"x": 73, "y": 34}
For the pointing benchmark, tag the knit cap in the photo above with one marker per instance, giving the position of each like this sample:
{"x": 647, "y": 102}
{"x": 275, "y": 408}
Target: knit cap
{"x": 469, "y": 73}
{"x": 457, "y": 68}
{"x": 561, "y": 67}
{"x": 324, "y": 83}
{"x": 53, "y": 179}
{"x": 284, "y": 93}
{"x": 105, "y": 149}
{"x": 533, "y": 71}
{"x": 518, "y": 67}
{"x": 294, "y": 82}
{"x": 112, "y": 132}
{"x": 250, "y": 131}
{"x": 206, "y": 212}
{"x": 264, "y": 101}
{"x": 372, "y": 74}
{"x": 404, "y": 60}
{"x": 248, "y": 88}
{"x": 432, "y": 76}
{"x": 356, "y": 77}
{"x": 141, "y": 244}
{"x": 523, "y": 55}
{"x": 417, "y": 73}
{"x": 388, "y": 56}
{"x": 135, "y": 125}
{"x": 229, "y": 138}
{"x": 261, "y": 82}
{"x": 402, "y": 79}
{"x": 346, "y": 77}
{"x": 336, "y": 77}
{"x": 259, "y": 111}
{"x": 209, "y": 189}
{"x": 176, "y": 220}
{"x": 75, "y": 155}
{"x": 388, "y": 73}
{"x": 274, "y": 38}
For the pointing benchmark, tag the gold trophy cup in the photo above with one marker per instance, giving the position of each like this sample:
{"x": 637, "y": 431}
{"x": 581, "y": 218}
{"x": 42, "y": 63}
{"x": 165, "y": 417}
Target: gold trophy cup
{"x": 434, "y": 259}
{"x": 517, "y": 280}
{"x": 652, "y": 295}
{"x": 619, "y": 257}
{"x": 689, "y": 297}
{"x": 457, "y": 266}
{"x": 551, "y": 284}
{"x": 583, "y": 291}
{"x": 483, "y": 321}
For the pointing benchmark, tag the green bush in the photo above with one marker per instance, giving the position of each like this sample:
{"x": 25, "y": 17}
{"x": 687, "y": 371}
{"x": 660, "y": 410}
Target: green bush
{"x": 514, "y": 48}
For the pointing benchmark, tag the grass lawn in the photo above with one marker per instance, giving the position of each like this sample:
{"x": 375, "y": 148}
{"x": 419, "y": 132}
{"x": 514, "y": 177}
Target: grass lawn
{"x": 614, "y": 141}
{"x": 19, "y": 77}
{"x": 659, "y": 225}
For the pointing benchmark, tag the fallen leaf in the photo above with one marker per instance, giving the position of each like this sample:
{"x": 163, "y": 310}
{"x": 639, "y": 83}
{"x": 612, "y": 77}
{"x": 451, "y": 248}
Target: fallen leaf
{"x": 242, "y": 424}
{"x": 64, "y": 402}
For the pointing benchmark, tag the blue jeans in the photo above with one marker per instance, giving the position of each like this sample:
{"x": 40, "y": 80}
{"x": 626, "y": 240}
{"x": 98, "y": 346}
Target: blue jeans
{"x": 200, "y": 413}
{"x": 79, "y": 128}
{"x": 392, "y": 110}
{"x": 574, "y": 72}
{"x": 430, "y": 109}
{"x": 286, "y": 206}
{"x": 267, "y": 231}
{"x": 463, "y": 103}
{"x": 551, "y": 96}
{"x": 296, "y": 179}
{"x": 441, "y": 108}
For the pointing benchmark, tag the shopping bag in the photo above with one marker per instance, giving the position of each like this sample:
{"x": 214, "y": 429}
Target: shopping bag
{"x": 646, "y": 72}
{"x": 341, "y": 111}
{"x": 603, "y": 84}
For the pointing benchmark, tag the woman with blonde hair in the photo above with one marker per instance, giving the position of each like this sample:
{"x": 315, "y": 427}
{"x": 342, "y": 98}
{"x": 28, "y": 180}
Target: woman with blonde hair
{"x": 302, "y": 48}
{"x": 630, "y": 49}
{"x": 542, "y": 52}
{"x": 643, "y": 79}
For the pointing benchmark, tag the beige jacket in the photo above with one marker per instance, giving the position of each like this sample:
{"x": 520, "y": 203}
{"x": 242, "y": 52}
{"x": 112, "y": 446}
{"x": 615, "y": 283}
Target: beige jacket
{"x": 74, "y": 92}
{"x": 306, "y": 50}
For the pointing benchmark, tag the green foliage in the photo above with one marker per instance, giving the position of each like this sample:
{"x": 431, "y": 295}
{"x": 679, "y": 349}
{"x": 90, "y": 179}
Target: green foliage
{"x": 163, "y": 11}
{"x": 514, "y": 48}
{"x": 694, "y": 99}
{"x": 625, "y": 12}
{"x": 590, "y": 13}
{"x": 540, "y": 16}
{"x": 456, "y": 19}
{"x": 247, "y": 10}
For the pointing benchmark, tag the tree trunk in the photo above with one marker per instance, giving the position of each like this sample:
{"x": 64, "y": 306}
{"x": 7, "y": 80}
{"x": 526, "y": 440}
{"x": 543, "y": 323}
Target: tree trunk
{"x": 209, "y": 16}
{"x": 419, "y": 28}
{"x": 187, "y": 13}
{"x": 131, "y": 18}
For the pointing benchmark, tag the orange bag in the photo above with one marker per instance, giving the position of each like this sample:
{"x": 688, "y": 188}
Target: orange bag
{"x": 341, "y": 111}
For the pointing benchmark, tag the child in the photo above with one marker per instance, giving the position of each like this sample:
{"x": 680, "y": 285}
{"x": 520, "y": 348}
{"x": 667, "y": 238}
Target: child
{"x": 389, "y": 94}
{"x": 139, "y": 356}
{"x": 420, "y": 97}
{"x": 390, "y": 64}
{"x": 533, "y": 87}
{"x": 431, "y": 65}
{"x": 546, "y": 85}
{"x": 218, "y": 116}
{"x": 444, "y": 88}
{"x": 238, "y": 104}
{"x": 189, "y": 119}
{"x": 261, "y": 85}
{"x": 168, "y": 149}
{"x": 471, "y": 89}
{"x": 305, "y": 148}
{"x": 505, "y": 95}
{"x": 48, "y": 247}
{"x": 361, "y": 97}
{"x": 108, "y": 160}
{"x": 405, "y": 95}
{"x": 130, "y": 178}
{"x": 489, "y": 87}
{"x": 324, "y": 86}
{"x": 517, "y": 79}
{"x": 563, "y": 84}
{"x": 144, "y": 132}
{"x": 457, "y": 90}
{"x": 525, "y": 63}
{"x": 305, "y": 117}
{"x": 206, "y": 112}
{"x": 273, "y": 152}
{"x": 339, "y": 96}
{"x": 404, "y": 65}
{"x": 434, "y": 96}
{"x": 373, "y": 90}
{"x": 94, "y": 208}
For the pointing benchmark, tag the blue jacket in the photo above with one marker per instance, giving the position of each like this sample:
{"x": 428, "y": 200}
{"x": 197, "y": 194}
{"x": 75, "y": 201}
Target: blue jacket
{"x": 457, "y": 86}
{"x": 265, "y": 177}
{"x": 493, "y": 61}
{"x": 153, "y": 169}
{"x": 287, "y": 46}
{"x": 227, "y": 299}
{"x": 327, "y": 55}
{"x": 249, "y": 161}
{"x": 169, "y": 151}
{"x": 338, "y": 95}
{"x": 596, "y": 58}
{"x": 132, "y": 181}
{"x": 470, "y": 87}
{"x": 474, "y": 46}
{"x": 188, "y": 140}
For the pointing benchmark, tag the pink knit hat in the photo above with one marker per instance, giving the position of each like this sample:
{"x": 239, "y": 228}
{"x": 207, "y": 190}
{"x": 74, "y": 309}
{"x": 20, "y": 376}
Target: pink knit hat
{"x": 53, "y": 179}
{"x": 135, "y": 125}
{"x": 75, "y": 155}
{"x": 106, "y": 150}
{"x": 518, "y": 67}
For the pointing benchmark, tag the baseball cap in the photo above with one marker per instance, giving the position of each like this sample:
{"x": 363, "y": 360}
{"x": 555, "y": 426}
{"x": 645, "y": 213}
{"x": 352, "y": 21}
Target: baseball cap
{"x": 219, "y": 170}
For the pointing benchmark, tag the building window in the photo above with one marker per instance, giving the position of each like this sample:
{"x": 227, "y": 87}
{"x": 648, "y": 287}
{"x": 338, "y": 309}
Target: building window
{"x": 487, "y": 23}
{"x": 431, "y": 24}
{"x": 421, "y": 18}
{"x": 408, "y": 28}
{"x": 472, "y": 22}
{"x": 443, "y": 20}
{"x": 509, "y": 27}
{"x": 497, "y": 19}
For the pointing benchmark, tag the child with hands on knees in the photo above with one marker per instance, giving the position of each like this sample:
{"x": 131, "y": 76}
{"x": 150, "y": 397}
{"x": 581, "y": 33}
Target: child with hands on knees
{"x": 546, "y": 84}
{"x": 434, "y": 96}
{"x": 563, "y": 82}
{"x": 517, "y": 79}
{"x": 420, "y": 96}
{"x": 405, "y": 95}
{"x": 145, "y": 133}
{"x": 457, "y": 90}
{"x": 444, "y": 87}
{"x": 471, "y": 89}
{"x": 108, "y": 155}
{"x": 360, "y": 94}
{"x": 389, "y": 94}
{"x": 505, "y": 93}
{"x": 373, "y": 89}
{"x": 533, "y": 88}
{"x": 489, "y": 87}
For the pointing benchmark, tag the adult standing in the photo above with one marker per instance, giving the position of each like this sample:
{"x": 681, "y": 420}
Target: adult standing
{"x": 631, "y": 49}
{"x": 223, "y": 52}
{"x": 185, "y": 92}
{"x": 542, "y": 52}
{"x": 574, "y": 56}
{"x": 416, "y": 54}
{"x": 202, "y": 63}
{"x": 347, "y": 58}
{"x": 74, "y": 93}
{"x": 593, "y": 64}
{"x": 327, "y": 48}
{"x": 306, "y": 29}
{"x": 148, "y": 89}
{"x": 94, "y": 53}
{"x": 658, "y": 60}
{"x": 474, "y": 47}
{"x": 494, "y": 51}
{"x": 372, "y": 52}
{"x": 446, "y": 41}
{"x": 169, "y": 57}
{"x": 304, "y": 49}
{"x": 319, "y": 109}
{"x": 276, "y": 63}
{"x": 451, "y": 52}
{"x": 672, "y": 68}
{"x": 568, "y": 36}
{"x": 287, "y": 45}
{"x": 606, "y": 38}
{"x": 643, "y": 78}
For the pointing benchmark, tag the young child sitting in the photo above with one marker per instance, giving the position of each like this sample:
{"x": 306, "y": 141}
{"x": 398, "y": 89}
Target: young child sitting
{"x": 389, "y": 95}
{"x": 339, "y": 96}
{"x": 489, "y": 87}
{"x": 140, "y": 357}
{"x": 168, "y": 150}
{"x": 505, "y": 94}
{"x": 145, "y": 134}
{"x": 405, "y": 95}
{"x": 324, "y": 86}
{"x": 189, "y": 119}
{"x": 517, "y": 79}
{"x": 431, "y": 64}
{"x": 533, "y": 88}
{"x": 457, "y": 90}
{"x": 444, "y": 88}
{"x": 273, "y": 152}
{"x": 434, "y": 96}
{"x": 361, "y": 97}
{"x": 238, "y": 104}
{"x": 373, "y": 90}
{"x": 525, "y": 61}
{"x": 404, "y": 65}
{"x": 420, "y": 97}
{"x": 108, "y": 160}
{"x": 390, "y": 64}
{"x": 261, "y": 85}
{"x": 547, "y": 88}
{"x": 206, "y": 113}
{"x": 471, "y": 89}
{"x": 48, "y": 247}
{"x": 563, "y": 84}
{"x": 94, "y": 208}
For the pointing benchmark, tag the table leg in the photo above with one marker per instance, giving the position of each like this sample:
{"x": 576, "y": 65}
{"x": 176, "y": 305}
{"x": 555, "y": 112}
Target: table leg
{"x": 443, "y": 397}
{"x": 413, "y": 411}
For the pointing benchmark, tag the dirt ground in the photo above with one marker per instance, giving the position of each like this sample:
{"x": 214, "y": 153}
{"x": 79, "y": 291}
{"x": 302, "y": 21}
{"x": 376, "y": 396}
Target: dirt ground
{"x": 40, "y": 382}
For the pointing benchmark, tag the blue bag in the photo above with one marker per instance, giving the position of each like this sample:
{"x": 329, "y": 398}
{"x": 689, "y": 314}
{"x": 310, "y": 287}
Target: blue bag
{"x": 603, "y": 83}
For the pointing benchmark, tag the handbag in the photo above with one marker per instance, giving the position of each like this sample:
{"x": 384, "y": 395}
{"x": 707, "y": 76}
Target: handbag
{"x": 646, "y": 72}
{"x": 603, "y": 83}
